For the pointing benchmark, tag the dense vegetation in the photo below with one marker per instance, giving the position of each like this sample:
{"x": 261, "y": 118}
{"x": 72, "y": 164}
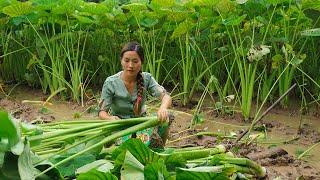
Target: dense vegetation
{"x": 252, "y": 49}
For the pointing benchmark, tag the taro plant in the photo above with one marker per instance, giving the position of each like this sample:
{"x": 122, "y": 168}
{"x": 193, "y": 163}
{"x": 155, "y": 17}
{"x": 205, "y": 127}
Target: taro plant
{"x": 247, "y": 64}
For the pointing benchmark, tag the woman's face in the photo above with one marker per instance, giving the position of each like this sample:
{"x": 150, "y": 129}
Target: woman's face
{"x": 131, "y": 63}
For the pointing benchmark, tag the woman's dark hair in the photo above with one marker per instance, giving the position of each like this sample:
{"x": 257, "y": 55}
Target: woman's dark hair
{"x": 135, "y": 46}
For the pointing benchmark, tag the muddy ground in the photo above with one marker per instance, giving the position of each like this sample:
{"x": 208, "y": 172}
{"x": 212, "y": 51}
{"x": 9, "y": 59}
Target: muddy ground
{"x": 280, "y": 129}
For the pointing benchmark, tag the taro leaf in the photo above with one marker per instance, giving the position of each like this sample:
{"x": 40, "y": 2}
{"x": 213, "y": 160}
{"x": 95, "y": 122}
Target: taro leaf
{"x": 131, "y": 168}
{"x": 144, "y": 155}
{"x": 8, "y": 131}
{"x": 17, "y": 149}
{"x": 234, "y": 20}
{"x": 96, "y": 175}
{"x": 96, "y": 8}
{"x": 296, "y": 61}
{"x": 69, "y": 168}
{"x": 83, "y": 19}
{"x": 163, "y": 3}
{"x": 4, "y": 3}
{"x": 311, "y": 32}
{"x": 9, "y": 169}
{"x": 18, "y": 9}
{"x": 182, "y": 29}
{"x": 135, "y": 7}
{"x": 25, "y": 167}
{"x": 156, "y": 171}
{"x": 206, "y": 3}
{"x": 138, "y": 149}
{"x": 149, "y": 22}
{"x": 204, "y": 173}
{"x": 101, "y": 165}
{"x": 97, "y": 150}
{"x": 52, "y": 174}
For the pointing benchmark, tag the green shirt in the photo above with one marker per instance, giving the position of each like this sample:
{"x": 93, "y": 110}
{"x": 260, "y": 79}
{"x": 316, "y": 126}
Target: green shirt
{"x": 116, "y": 99}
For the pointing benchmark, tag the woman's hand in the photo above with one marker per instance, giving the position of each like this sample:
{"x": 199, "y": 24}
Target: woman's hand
{"x": 163, "y": 114}
{"x": 106, "y": 116}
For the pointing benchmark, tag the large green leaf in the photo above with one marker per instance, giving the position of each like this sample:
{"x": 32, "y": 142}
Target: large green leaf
{"x": 18, "y": 9}
{"x": 138, "y": 149}
{"x": 182, "y": 29}
{"x": 234, "y": 20}
{"x": 96, "y": 175}
{"x": 25, "y": 166}
{"x": 96, "y": 8}
{"x": 156, "y": 171}
{"x": 8, "y": 132}
{"x": 135, "y": 7}
{"x": 9, "y": 169}
{"x": 4, "y": 3}
{"x": 144, "y": 155}
{"x": 204, "y": 173}
{"x": 69, "y": 168}
{"x": 163, "y": 3}
{"x": 131, "y": 168}
{"x": 207, "y": 3}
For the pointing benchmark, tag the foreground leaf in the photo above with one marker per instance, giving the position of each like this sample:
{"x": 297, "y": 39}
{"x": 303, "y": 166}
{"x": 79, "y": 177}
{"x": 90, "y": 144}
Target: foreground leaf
{"x": 96, "y": 175}
{"x": 101, "y": 165}
{"x": 8, "y": 131}
{"x": 131, "y": 168}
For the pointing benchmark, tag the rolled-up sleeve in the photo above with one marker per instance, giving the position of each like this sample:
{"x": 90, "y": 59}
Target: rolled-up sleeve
{"x": 154, "y": 88}
{"x": 106, "y": 96}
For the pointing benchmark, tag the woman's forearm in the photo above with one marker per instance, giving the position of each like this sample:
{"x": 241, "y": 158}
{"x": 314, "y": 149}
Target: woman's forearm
{"x": 166, "y": 101}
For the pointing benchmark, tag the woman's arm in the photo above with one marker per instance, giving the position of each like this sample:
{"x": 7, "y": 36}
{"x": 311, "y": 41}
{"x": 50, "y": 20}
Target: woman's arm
{"x": 165, "y": 104}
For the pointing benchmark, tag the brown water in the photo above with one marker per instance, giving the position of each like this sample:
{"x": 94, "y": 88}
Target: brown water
{"x": 286, "y": 128}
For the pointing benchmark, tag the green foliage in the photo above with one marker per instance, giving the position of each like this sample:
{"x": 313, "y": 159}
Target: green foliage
{"x": 9, "y": 132}
{"x": 18, "y": 9}
{"x": 69, "y": 168}
{"x": 205, "y": 173}
{"x": 96, "y": 175}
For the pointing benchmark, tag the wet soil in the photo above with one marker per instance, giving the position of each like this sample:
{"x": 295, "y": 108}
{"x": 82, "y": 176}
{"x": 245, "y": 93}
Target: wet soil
{"x": 285, "y": 129}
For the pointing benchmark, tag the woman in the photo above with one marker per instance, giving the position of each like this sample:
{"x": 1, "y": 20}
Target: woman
{"x": 124, "y": 94}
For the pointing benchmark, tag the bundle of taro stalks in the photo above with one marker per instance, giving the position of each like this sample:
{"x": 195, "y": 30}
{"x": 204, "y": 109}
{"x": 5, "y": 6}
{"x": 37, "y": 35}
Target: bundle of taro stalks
{"x": 84, "y": 149}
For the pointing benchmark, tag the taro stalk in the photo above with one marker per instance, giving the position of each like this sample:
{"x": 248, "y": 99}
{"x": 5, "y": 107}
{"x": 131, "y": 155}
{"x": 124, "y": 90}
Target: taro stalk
{"x": 154, "y": 43}
{"x": 313, "y": 44}
{"x": 153, "y": 40}
{"x": 151, "y": 122}
{"x": 54, "y": 70}
{"x": 74, "y": 47}
{"x": 247, "y": 66}
{"x": 287, "y": 78}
